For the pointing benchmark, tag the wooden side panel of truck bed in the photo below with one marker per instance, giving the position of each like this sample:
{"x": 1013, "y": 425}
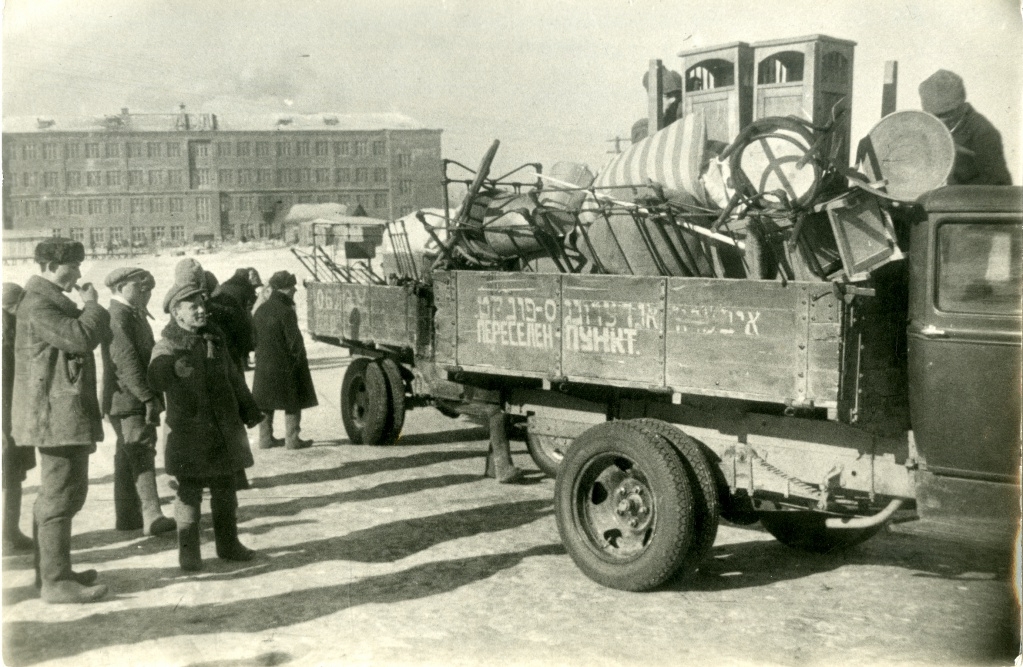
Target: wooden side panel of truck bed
{"x": 377, "y": 314}
{"x": 755, "y": 340}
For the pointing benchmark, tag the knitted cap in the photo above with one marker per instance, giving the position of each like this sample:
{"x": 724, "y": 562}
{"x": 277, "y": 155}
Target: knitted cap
{"x": 283, "y": 280}
{"x": 188, "y": 281}
{"x": 59, "y": 250}
{"x": 126, "y": 274}
{"x": 942, "y": 92}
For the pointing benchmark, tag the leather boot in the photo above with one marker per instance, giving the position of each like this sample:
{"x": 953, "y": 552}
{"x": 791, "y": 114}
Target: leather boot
{"x": 59, "y": 584}
{"x": 153, "y": 518}
{"x": 127, "y": 513}
{"x": 266, "y": 432}
{"x": 224, "y": 507}
{"x": 500, "y": 451}
{"x": 14, "y": 541}
{"x": 189, "y": 554}
{"x": 292, "y": 426}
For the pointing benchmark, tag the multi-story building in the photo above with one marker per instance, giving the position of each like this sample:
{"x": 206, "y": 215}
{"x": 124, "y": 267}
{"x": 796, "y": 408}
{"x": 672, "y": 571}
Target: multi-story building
{"x": 175, "y": 178}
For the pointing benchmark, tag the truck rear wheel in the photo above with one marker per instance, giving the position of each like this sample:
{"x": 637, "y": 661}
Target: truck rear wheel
{"x": 624, "y": 507}
{"x": 806, "y": 530}
{"x": 548, "y": 452}
{"x": 396, "y": 404}
{"x": 706, "y": 509}
{"x": 364, "y": 402}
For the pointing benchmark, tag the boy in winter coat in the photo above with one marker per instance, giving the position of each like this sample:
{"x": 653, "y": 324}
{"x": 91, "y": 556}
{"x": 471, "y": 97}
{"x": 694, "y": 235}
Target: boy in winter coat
{"x": 208, "y": 408}
{"x": 56, "y": 410}
{"x": 131, "y": 404}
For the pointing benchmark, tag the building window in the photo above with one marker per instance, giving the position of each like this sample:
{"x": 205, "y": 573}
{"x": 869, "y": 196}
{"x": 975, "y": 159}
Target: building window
{"x": 175, "y": 177}
{"x": 156, "y": 205}
{"x": 28, "y": 151}
{"x": 202, "y": 178}
{"x": 135, "y": 178}
{"x": 51, "y": 179}
{"x": 159, "y": 232}
{"x": 113, "y": 178}
{"x": 405, "y": 186}
{"x": 362, "y": 175}
{"x": 246, "y": 177}
{"x": 404, "y": 160}
{"x": 225, "y": 177}
{"x": 322, "y": 175}
{"x": 379, "y": 148}
{"x": 51, "y": 207}
{"x": 359, "y": 147}
{"x": 72, "y": 151}
{"x": 223, "y": 149}
{"x": 304, "y": 199}
{"x": 138, "y": 236}
{"x": 262, "y": 149}
{"x": 322, "y": 148}
{"x": 97, "y": 236}
{"x": 202, "y": 211}
{"x": 74, "y": 206}
{"x": 93, "y": 178}
{"x": 91, "y": 150}
{"x": 73, "y": 179}
{"x": 78, "y": 234}
{"x": 116, "y": 236}
{"x": 303, "y": 175}
{"x": 173, "y": 149}
{"x": 113, "y": 206}
{"x": 51, "y": 151}
{"x": 380, "y": 175}
{"x": 302, "y": 148}
{"x": 342, "y": 148}
{"x": 177, "y": 232}
{"x": 283, "y": 148}
{"x": 265, "y": 176}
{"x": 156, "y": 178}
{"x": 245, "y": 230}
{"x": 342, "y": 175}
{"x": 202, "y": 149}
{"x": 112, "y": 150}
{"x": 28, "y": 179}
{"x": 138, "y": 206}
{"x": 176, "y": 205}
{"x": 380, "y": 200}
{"x": 95, "y": 207}
{"x": 362, "y": 200}
{"x": 134, "y": 149}
{"x": 243, "y": 149}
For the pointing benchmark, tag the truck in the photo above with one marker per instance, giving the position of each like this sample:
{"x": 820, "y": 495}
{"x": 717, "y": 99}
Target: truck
{"x": 880, "y": 382}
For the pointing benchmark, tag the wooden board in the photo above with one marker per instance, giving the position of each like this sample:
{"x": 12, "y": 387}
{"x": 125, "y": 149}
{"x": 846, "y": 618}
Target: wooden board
{"x": 368, "y": 314}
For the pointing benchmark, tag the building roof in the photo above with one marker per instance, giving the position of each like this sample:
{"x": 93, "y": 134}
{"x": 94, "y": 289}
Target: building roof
{"x": 152, "y": 122}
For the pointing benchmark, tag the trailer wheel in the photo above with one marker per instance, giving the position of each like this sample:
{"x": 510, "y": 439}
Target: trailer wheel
{"x": 548, "y": 452}
{"x": 624, "y": 507}
{"x": 707, "y": 510}
{"x": 806, "y": 531}
{"x": 364, "y": 402}
{"x": 396, "y": 404}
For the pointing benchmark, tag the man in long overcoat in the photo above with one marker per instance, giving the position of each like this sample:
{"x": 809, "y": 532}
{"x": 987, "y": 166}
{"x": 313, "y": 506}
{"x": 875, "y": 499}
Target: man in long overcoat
{"x": 208, "y": 408}
{"x": 17, "y": 461}
{"x": 55, "y": 408}
{"x": 131, "y": 404}
{"x": 231, "y": 310}
{"x": 282, "y": 380}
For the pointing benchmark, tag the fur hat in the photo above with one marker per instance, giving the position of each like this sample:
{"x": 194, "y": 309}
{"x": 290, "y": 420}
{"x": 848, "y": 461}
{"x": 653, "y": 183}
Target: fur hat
{"x": 283, "y": 280}
{"x": 12, "y": 296}
{"x": 59, "y": 250}
{"x": 126, "y": 274}
{"x": 942, "y": 92}
{"x": 189, "y": 280}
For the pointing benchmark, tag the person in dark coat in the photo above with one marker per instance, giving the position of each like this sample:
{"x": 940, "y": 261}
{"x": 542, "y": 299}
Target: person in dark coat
{"x": 980, "y": 158}
{"x": 131, "y": 405}
{"x": 208, "y": 408}
{"x": 282, "y": 380}
{"x": 17, "y": 461}
{"x": 230, "y": 308}
{"x": 55, "y": 408}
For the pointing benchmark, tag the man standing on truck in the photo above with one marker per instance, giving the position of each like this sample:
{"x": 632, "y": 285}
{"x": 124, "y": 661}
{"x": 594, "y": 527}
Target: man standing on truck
{"x": 980, "y": 159}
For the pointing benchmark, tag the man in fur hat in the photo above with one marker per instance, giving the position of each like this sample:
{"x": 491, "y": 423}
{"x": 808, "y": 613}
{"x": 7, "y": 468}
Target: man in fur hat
{"x": 131, "y": 404}
{"x": 208, "y": 409}
{"x": 282, "y": 380}
{"x": 980, "y": 159}
{"x": 55, "y": 408}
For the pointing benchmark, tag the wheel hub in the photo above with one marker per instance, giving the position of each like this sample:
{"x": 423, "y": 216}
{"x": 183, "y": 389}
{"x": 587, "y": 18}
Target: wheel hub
{"x": 632, "y": 507}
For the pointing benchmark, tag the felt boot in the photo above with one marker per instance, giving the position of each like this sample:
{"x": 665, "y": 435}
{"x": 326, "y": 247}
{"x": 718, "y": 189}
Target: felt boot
{"x": 189, "y": 554}
{"x": 60, "y": 585}
{"x": 127, "y": 511}
{"x": 266, "y": 432}
{"x": 499, "y": 460}
{"x": 14, "y": 541}
{"x": 292, "y": 426}
{"x": 154, "y": 520}
{"x": 224, "y": 507}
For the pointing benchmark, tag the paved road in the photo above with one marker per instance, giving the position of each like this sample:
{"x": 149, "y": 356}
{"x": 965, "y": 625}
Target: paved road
{"x": 405, "y": 555}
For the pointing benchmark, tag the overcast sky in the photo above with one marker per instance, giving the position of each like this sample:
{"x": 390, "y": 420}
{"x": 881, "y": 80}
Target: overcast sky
{"x": 554, "y": 80}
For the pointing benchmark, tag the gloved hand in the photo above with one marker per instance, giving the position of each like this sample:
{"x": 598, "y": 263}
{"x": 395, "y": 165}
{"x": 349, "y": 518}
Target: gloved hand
{"x": 254, "y": 420}
{"x": 182, "y": 367}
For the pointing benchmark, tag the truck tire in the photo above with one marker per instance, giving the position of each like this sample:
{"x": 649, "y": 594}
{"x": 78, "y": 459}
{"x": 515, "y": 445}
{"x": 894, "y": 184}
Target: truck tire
{"x": 805, "y": 530}
{"x": 364, "y": 402}
{"x": 548, "y": 452}
{"x": 706, "y": 509}
{"x": 624, "y": 507}
{"x": 396, "y": 404}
